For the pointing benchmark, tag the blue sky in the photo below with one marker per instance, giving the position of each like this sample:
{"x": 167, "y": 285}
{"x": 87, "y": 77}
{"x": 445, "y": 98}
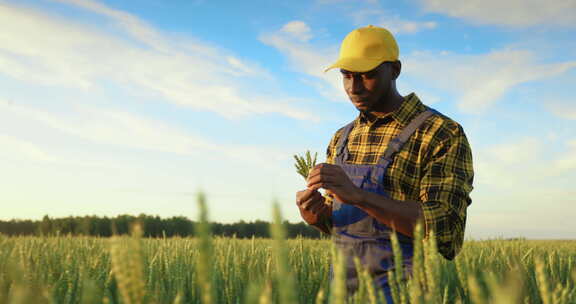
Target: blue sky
{"x": 113, "y": 107}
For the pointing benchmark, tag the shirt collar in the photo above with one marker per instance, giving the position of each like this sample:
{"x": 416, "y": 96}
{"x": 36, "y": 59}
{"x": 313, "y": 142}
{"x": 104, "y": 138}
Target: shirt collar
{"x": 411, "y": 107}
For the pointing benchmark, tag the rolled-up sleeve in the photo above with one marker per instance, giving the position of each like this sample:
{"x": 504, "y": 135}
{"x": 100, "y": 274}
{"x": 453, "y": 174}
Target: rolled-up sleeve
{"x": 445, "y": 189}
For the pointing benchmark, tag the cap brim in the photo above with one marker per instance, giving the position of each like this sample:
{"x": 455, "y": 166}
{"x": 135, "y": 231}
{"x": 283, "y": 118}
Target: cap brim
{"x": 359, "y": 65}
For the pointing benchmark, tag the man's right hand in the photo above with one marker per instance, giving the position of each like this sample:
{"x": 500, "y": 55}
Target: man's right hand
{"x": 312, "y": 206}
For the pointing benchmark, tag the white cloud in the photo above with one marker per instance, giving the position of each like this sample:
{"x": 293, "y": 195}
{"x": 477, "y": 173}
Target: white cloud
{"x": 297, "y": 29}
{"x": 567, "y": 161}
{"x": 513, "y": 214}
{"x": 513, "y": 13}
{"x": 428, "y": 98}
{"x": 14, "y": 147}
{"x": 524, "y": 151}
{"x": 308, "y": 59}
{"x": 399, "y": 26}
{"x": 562, "y": 108}
{"x": 118, "y": 128}
{"x": 505, "y": 165}
{"x": 479, "y": 81}
{"x": 393, "y": 23}
{"x": 527, "y": 163}
{"x": 46, "y": 50}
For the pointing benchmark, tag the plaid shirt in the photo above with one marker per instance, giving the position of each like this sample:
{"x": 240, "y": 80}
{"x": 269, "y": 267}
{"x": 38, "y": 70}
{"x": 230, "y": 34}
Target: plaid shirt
{"x": 433, "y": 167}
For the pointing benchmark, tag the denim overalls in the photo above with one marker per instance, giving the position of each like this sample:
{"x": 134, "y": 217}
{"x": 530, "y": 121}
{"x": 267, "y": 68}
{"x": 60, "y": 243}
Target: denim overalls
{"x": 357, "y": 233}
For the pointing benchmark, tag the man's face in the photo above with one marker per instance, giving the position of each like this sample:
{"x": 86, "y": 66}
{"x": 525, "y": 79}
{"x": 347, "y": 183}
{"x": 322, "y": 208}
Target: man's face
{"x": 366, "y": 89}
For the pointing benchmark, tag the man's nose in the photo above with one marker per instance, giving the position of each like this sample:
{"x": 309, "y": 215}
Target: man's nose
{"x": 357, "y": 84}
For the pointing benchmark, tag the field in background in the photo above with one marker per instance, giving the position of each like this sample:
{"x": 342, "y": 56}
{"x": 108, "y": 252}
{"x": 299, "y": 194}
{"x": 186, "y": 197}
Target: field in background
{"x": 79, "y": 270}
{"x": 210, "y": 269}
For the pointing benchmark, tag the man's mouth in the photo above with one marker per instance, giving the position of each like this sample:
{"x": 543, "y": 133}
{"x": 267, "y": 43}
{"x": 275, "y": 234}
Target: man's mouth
{"x": 360, "y": 100}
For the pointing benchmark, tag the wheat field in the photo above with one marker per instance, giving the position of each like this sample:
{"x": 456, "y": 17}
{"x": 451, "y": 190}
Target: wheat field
{"x": 206, "y": 269}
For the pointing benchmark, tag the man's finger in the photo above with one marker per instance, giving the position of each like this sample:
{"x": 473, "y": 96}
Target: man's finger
{"x": 317, "y": 208}
{"x": 305, "y": 202}
{"x": 306, "y": 205}
{"x": 327, "y": 182}
{"x": 324, "y": 169}
{"x": 324, "y": 178}
{"x": 303, "y": 196}
{"x": 317, "y": 169}
{"x": 314, "y": 200}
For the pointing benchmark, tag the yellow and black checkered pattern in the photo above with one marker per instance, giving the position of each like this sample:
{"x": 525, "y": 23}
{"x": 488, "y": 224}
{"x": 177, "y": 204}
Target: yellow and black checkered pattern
{"x": 433, "y": 167}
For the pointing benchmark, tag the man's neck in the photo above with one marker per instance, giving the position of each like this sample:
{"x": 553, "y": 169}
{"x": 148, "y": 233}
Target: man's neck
{"x": 387, "y": 105}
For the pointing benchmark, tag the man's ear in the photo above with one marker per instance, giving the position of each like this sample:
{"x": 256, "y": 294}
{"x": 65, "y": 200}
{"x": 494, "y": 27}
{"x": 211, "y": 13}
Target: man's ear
{"x": 396, "y": 69}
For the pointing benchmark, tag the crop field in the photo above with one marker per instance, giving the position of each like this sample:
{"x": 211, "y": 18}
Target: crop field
{"x": 206, "y": 269}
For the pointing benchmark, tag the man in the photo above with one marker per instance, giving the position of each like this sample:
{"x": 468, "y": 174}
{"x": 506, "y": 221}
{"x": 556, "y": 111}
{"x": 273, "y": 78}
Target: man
{"x": 397, "y": 163}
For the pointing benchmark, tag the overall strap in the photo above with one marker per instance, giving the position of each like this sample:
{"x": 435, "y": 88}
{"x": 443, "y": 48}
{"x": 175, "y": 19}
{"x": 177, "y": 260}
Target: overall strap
{"x": 396, "y": 143}
{"x": 342, "y": 141}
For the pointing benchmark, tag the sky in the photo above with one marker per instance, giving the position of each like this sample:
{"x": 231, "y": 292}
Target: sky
{"x": 129, "y": 107}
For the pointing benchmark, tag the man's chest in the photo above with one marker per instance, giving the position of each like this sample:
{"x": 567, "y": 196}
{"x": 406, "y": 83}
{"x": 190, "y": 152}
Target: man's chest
{"x": 367, "y": 144}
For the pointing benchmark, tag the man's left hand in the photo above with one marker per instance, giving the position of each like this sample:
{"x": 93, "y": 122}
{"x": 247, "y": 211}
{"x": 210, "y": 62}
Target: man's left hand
{"x": 336, "y": 181}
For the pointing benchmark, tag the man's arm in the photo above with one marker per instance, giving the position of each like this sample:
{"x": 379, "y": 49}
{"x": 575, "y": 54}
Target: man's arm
{"x": 445, "y": 189}
{"x": 402, "y": 216}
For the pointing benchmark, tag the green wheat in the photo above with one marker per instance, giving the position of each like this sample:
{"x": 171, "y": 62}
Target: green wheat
{"x": 305, "y": 163}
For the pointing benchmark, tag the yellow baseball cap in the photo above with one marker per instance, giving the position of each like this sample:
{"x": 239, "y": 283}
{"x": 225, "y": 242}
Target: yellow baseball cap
{"x": 365, "y": 48}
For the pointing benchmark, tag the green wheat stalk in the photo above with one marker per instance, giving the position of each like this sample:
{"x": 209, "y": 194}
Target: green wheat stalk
{"x": 305, "y": 163}
{"x": 284, "y": 277}
{"x": 205, "y": 257}
{"x": 126, "y": 255}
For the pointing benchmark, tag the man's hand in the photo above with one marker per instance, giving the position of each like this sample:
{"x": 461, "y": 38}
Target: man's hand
{"x": 312, "y": 206}
{"x": 335, "y": 181}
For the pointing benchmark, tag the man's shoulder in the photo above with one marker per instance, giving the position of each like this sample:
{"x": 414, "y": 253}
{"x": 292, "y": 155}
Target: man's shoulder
{"x": 442, "y": 127}
{"x": 340, "y": 131}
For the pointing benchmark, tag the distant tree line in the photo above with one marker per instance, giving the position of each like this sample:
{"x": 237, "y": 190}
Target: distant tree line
{"x": 153, "y": 226}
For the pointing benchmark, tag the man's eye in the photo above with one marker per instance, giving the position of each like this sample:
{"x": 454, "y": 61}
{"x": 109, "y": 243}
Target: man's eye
{"x": 368, "y": 75}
